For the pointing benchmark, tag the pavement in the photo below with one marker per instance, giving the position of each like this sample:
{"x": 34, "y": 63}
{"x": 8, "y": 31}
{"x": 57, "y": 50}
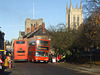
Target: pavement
{"x": 95, "y": 69}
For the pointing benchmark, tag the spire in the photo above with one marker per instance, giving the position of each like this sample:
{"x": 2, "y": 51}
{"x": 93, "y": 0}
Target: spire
{"x": 77, "y": 6}
{"x": 81, "y": 5}
{"x": 67, "y": 7}
{"x": 71, "y": 5}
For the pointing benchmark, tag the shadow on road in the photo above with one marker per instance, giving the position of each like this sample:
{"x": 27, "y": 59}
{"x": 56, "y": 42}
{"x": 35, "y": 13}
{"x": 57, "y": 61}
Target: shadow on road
{"x": 4, "y": 73}
{"x": 39, "y": 62}
{"x": 20, "y": 61}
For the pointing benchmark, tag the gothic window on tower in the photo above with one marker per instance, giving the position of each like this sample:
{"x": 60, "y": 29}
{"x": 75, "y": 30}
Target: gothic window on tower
{"x": 74, "y": 21}
{"x": 77, "y": 21}
{"x": 68, "y": 21}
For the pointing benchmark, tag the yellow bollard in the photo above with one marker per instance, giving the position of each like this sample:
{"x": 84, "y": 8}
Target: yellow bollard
{"x": 6, "y": 63}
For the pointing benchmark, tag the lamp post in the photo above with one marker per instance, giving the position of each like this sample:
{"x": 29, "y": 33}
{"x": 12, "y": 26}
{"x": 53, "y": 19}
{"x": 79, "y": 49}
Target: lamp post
{"x": 90, "y": 58}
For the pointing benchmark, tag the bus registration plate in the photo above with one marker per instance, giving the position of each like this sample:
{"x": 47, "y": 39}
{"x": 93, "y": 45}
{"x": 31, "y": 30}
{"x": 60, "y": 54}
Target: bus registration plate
{"x": 41, "y": 61}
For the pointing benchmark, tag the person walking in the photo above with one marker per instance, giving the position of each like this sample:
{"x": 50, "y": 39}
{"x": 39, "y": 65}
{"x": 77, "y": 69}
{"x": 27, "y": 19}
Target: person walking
{"x": 58, "y": 57}
{"x": 50, "y": 57}
{"x": 63, "y": 57}
{"x": 55, "y": 56}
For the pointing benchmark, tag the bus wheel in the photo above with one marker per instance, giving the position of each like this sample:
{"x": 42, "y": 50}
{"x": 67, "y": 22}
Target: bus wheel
{"x": 14, "y": 61}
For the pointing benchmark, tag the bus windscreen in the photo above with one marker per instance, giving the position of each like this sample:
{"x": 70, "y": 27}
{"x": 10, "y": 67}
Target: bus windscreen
{"x": 41, "y": 53}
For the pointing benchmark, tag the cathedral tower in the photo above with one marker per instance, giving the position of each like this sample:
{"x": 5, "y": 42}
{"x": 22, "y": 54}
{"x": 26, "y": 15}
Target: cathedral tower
{"x": 74, "y": 17}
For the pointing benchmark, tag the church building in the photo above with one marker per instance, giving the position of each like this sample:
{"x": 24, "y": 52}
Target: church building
{"x": 74, "y": 17}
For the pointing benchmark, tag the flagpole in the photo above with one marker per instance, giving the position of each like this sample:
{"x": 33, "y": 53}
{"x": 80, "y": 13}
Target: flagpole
{"x": 33, "y": 9}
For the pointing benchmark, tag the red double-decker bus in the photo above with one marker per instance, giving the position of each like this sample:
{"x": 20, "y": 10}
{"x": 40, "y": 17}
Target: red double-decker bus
{"x": 38, "y": 50}
{"x": 20, "y": 50}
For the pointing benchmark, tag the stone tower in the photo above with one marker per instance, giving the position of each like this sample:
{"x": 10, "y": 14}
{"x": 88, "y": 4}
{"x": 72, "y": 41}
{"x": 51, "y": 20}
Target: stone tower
{"x": 74, "y": 17}
{"x": 33, "y": 22}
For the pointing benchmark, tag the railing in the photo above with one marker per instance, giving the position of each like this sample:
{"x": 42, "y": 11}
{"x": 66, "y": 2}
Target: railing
{"x": 85, "y": 57}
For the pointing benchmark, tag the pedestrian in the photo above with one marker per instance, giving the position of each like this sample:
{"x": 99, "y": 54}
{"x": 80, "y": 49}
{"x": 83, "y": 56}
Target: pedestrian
{"x": 7, "y": 61}
{"x": 55, "y": 56}
{"x": 50, "y": 57}
{"x": 63, "y": 57}
{"x": 58, "y": 57}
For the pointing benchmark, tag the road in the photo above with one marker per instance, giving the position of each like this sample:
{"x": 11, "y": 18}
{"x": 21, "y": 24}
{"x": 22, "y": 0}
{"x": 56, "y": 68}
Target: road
{"x": 28, "y": 68}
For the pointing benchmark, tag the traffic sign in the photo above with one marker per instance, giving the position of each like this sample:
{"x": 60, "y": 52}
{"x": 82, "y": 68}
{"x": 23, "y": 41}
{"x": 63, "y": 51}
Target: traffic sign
{"x": 1, "y": 61}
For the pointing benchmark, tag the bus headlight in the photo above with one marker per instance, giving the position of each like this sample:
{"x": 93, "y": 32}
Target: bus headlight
{"x": 36, "y": 58}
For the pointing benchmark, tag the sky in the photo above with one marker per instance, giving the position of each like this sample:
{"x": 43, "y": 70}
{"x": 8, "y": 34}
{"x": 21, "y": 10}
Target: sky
{"x": 13, "y": 14}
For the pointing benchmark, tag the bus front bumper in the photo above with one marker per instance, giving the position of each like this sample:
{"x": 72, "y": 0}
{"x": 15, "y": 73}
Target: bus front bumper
{"x": 40, "y": 61}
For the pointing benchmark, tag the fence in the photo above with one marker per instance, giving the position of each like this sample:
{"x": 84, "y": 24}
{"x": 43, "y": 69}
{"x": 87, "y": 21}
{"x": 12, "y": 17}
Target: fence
{"x": 84, "y": 57}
